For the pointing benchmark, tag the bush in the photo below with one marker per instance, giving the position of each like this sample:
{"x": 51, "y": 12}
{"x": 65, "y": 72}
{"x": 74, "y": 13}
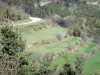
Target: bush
{"x": 77, "y": 32}
{"x": 11, "y": 41}
{"x": 62, "y": 23}
{"x": 59, "y": 37}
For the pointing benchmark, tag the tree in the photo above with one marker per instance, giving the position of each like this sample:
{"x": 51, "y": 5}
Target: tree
{"x": 62, "y": 23}
{"x": 11, "y": 41}
{"x": 7, "y": 14}
{"x": 76, "y": 32}
{"x": 67, "y": 69}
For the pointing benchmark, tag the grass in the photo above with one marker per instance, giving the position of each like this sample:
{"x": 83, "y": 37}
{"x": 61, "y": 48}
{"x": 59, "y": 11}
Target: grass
{"x": 52, "y": 47}
{"x": 60, "y": 61}
{"x": 92, "y": 65}
{"x": 87, "y": 47}
{"x": 46, "y": 33}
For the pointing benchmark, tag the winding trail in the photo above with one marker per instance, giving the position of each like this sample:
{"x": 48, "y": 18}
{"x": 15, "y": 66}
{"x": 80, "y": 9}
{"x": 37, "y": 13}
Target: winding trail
{"x": 45, "y": 3}
{"x": 33, "y": 20}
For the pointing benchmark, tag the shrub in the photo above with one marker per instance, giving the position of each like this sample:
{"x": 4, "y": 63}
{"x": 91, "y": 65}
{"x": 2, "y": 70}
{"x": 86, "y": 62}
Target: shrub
{"x": 59, "y": 37}
{"x": 77, "y": 32}
{"x": 62, "y": 23}
{"x": 11, "y": 41}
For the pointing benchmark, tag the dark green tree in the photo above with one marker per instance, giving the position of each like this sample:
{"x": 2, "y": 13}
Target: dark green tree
{"x": 11, "y": 41}
{"x": 77, "y": 32}
{"x": 67, "y": 70}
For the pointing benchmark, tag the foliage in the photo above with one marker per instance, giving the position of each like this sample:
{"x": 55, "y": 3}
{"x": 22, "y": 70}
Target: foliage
{"x": 76, "y": 32}
{"x": 36, "y": 64}
{"x": 67, "y": 69}
{"x": 62, "y": 23}
{"x": 41, "y": 12}
{"x": 54, "y": 8}
{"x": 11, "y": 41}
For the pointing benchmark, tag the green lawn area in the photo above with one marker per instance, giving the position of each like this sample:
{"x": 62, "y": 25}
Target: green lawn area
{"x": 46, "y": 33}
{"x": 60, "y": 61}
{"x": 52, "y": 47}
{"x": 87, "y": 47}
{"x": 92, "y": 65}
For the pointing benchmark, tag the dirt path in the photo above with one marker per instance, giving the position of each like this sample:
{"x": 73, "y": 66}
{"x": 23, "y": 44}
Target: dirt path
{"x": 33, "y": 20}
{"x": 45, "y": 3}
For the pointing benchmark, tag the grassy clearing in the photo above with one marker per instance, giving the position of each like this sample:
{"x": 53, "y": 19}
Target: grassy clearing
{"x": 92, "y": 65}
{"x": 87, "y": 47}
{"x": 89, "y": 63}
{"x": 60, "y": 61}
{"x": 52, "y": 47}
{"x": 46, "y": 33}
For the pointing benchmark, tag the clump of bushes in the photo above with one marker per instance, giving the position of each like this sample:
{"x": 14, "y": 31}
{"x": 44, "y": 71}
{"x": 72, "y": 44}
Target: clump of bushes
{"x": 76, "y": 32}
{"x": 62, "y": 23}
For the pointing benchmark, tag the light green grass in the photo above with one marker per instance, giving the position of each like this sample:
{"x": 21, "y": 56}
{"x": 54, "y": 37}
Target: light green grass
{"x": 92, "y": 65}
{"x": 53, "y": 47}
{"x": 46, "y": 33}
{"x": 60, "y": 61}
{"x": 87, "y": 47}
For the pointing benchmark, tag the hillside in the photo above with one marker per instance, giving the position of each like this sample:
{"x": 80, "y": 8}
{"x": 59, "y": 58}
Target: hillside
{"x": 49, "y": 37}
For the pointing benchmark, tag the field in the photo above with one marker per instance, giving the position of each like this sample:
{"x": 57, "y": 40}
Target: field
{"x": 33, "y": 34}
